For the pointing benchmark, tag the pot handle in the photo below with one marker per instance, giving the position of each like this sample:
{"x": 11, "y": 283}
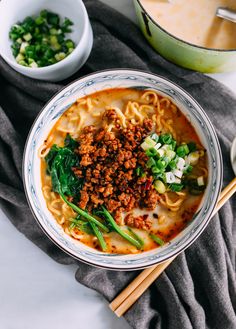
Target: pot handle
{"x": 146, "y": 21}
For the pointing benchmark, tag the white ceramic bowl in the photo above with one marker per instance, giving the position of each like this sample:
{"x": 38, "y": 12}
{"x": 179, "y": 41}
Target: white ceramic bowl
{"x": 60, "y": 103}
{"x": 13, "y": 11}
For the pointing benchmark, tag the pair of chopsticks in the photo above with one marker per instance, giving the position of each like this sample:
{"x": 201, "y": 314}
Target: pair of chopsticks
{"x": 138, "y": 286}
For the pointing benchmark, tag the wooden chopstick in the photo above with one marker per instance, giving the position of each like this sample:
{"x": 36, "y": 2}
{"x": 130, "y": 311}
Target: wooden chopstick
{"x": 133, "y": 291}
{"x": 137, "y": 287}
{"x": 225, "y": 195}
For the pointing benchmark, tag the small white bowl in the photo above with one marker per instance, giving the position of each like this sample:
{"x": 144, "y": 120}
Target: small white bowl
{"x": 120, "y": 78}
{"x": 13, "y": 11}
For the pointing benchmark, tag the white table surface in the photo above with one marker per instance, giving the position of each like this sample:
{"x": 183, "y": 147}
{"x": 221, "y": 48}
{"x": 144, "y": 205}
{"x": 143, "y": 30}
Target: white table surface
{"x": 38, "y": 293}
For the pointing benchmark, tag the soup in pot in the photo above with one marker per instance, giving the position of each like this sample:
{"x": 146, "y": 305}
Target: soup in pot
{"x": 195, "y": 21}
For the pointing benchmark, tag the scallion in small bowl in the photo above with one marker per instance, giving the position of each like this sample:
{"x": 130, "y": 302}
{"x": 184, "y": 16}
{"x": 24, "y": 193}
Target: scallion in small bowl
{"x": 41, "y": 40}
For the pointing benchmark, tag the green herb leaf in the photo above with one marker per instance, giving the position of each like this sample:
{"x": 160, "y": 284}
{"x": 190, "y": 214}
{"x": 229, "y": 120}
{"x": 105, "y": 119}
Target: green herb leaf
{"x": 192, "y": 146}
{"x": 70, "y": 142}
{"x": 81, "y": 225}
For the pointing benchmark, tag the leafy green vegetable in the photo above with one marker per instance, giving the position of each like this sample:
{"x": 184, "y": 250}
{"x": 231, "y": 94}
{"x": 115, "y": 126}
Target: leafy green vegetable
{"x": 192, "y": 146}
{"x": 70, "y": 142}
{"x": 60, "y": 161}
{"x": 50, "y": 157}
{"x": 193, "y": 187}
{"x": 81, "y": 225}
{"x": 60, "y": 164}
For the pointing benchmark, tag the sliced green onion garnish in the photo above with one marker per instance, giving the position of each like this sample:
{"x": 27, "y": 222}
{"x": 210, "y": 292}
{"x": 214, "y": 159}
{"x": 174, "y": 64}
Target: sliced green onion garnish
{"x": 41, "y": 39}
{"x": 172, "y": 164}
{"x": 188, "y": 169}
{"x": 182, "y": 150}
{"x": 151, "y": 152}
{"x": 151, "y": 162}
{"x": 155, "y": 137}
{"x": 166, "y": 139}
{"x": 156, "y": 170}
{"x": 169, "y": 164}
{"x": 159, "y": 186}
{"x": 161, "y": 164}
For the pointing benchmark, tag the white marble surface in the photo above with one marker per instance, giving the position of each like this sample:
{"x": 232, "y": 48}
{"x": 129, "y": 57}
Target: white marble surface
{"x": 35, "y": 291}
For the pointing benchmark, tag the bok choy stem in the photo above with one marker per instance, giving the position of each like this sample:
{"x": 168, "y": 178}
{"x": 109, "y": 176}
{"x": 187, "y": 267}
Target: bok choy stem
{"x": 84, "y": 213}
{"x": 99, "y": 235}
{"x": 136, "y": 236}
{"x": 126, "y": 236}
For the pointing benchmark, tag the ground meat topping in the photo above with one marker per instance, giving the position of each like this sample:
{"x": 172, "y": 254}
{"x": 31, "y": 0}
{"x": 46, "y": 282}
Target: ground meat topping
{"x": 108, "y": 163}
{"x": 142, "y": 222}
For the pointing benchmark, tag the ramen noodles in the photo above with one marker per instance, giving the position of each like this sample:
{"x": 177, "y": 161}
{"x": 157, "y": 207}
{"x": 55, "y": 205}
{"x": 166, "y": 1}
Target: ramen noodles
{"x": 123, "y": 170}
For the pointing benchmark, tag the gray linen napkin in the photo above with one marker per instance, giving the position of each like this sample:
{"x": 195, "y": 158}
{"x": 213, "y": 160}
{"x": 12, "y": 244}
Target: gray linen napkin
{"x": 198, "y": 290}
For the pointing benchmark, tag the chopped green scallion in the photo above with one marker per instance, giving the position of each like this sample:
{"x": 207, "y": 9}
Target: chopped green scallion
{"x": 150, "y": 163}
{"x": 182, "y": 150}
{"x": 42, "y": 40}
{"x": 151, "y": 152}
{"x": 166, "y": 139}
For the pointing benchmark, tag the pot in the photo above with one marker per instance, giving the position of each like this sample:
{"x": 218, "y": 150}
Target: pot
{"x": 180, "y": 52}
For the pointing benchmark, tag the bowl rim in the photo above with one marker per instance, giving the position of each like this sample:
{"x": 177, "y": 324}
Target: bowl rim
{"x": 179, "y": 249}
{"x": 181, "y": 40}
{"x": 65, "y": 60}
